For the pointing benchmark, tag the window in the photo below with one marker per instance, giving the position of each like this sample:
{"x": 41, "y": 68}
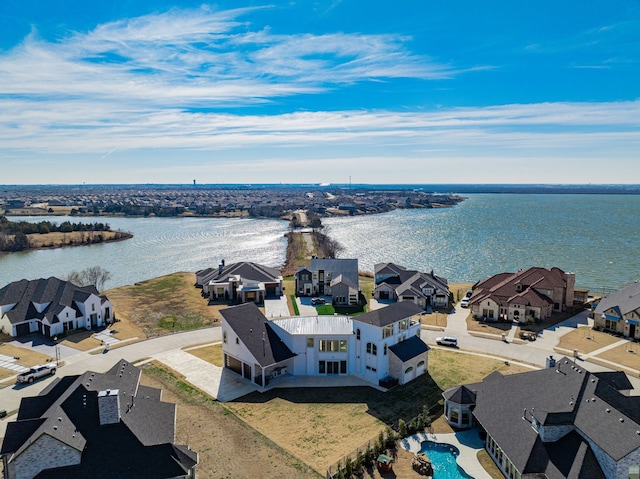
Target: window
{"x": 224, "y": 337}
{"x": 385, "y": 349}
{"x": 321, "y": 367}
{"x": 372, "y": 349}
{"x": 310, "y": 342}
{"x": 331, "y": 345}
{"x": 408, "y": 370}
{"x": 237, "y": 341}
{"x": 403, "y": 325}
{"x": 609, "y": 324}
{"x": 358, "y": 334}
{"x": 93, "y": 306}
{"x": 387, "y": 331}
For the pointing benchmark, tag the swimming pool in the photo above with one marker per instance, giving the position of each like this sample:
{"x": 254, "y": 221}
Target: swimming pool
{"x": 443, "y": 459}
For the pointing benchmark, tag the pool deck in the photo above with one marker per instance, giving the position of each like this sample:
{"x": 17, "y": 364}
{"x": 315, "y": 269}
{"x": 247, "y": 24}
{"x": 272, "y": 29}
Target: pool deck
{"x": 467, "y": 442}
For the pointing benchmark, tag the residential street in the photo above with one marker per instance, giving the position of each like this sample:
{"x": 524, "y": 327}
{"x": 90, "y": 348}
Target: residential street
{"x": 211, "y": 378}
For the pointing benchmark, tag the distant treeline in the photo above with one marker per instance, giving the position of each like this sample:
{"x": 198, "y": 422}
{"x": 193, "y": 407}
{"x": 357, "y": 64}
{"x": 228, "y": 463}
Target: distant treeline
{"x": 261, "y": 211}
{"x": 13, "y": 234}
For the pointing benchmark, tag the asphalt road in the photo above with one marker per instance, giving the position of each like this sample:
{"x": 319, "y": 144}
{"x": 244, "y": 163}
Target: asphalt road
{"x": 530, "y": 353}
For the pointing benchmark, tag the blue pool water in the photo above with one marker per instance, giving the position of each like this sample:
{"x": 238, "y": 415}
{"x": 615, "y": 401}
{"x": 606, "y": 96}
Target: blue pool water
{"x": 443, "y": 458}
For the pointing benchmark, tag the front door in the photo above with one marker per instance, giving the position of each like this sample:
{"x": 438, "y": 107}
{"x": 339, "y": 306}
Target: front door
{"x": 632, "y": 330}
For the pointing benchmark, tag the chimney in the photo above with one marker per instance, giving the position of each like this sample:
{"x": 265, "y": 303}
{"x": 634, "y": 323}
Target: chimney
{"x": 109, "y": 406}
{"x": 551, "y": 363}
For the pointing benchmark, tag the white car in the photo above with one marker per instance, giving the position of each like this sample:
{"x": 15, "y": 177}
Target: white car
{"x": 447, "y": 341}
{"x": 464, "y": 303}
{"x": 36, "y": 372}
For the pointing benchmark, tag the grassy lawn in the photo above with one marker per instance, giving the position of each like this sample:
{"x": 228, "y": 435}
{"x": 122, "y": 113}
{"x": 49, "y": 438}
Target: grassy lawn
{"x": 161, "y": 306}
{"x": 627, "y": 354}
{"x": 352, "y": 416}
{"x": 227, "y": 447}
{"x": 211, "y": 353}
{"x": 487, "y": 463}
{"x": 585, "y": 340}
{"x": 28, "y": 358}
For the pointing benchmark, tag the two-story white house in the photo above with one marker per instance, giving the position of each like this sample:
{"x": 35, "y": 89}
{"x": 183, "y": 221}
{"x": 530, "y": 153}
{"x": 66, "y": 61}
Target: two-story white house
{"x": 52, "y": 307}
{"x": 381, "y": 347}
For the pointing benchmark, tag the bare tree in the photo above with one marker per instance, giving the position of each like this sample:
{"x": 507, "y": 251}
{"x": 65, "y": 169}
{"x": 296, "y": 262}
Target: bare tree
{"x": 95, "y": 275}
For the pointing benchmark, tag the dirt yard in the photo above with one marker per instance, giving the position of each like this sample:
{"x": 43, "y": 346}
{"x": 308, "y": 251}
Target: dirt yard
{"x": 161, "y": 306}
{"x": 227, "y": 447}
{"x": 321, "y": 425}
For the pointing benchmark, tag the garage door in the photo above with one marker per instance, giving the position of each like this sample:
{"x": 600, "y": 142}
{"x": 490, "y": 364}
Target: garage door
{"x": 22, "y": 329}
{"x": 271, "y": 290}
{"x": 408, "y": 374}
{"x": 384, "y": 294}
{"x": 233, "y": 364}
{"x": 421, "y": 368}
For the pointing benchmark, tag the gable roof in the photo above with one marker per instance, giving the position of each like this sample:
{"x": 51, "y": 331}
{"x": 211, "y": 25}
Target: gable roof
{"x": 244, "y": 269}
{"x": 409, "y": 280}
{"x": 409, "y": 348}
{"x": 342, "y": 279}
{"x": 67, "y": 410}
{"x": 625, "y": 300}
{"x": 345, "y": 267}
{"x": 566, "y": 396}
{"x": 255, "y": 332}
{"x": 389, "y": 314}
{"x": 55, "y": 292}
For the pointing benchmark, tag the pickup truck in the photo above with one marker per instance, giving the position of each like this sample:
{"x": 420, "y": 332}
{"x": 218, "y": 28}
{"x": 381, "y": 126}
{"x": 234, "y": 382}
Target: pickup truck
{"x": 37, "y": 372}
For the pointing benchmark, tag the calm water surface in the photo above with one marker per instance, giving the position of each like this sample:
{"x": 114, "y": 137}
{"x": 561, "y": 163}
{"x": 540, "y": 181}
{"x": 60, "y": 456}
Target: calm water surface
{"x": 159, "y": 246}
{"x": 595, "y": 236}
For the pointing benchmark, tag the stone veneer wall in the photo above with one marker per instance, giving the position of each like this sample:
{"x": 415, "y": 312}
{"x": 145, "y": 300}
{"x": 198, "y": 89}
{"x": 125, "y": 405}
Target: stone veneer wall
{"x": 554, "y": 433}
{"x": 46, "y": 452}
{"x": 611, "y": 468}
{"x": 397, "y": 367}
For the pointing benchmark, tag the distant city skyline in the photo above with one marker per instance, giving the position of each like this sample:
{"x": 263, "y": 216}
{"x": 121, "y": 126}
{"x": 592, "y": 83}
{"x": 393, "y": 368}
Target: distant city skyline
{"x": 319, "y": 92}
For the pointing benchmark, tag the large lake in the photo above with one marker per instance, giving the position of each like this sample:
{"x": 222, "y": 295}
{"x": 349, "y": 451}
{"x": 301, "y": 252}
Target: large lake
{"x": 595, "y": 236}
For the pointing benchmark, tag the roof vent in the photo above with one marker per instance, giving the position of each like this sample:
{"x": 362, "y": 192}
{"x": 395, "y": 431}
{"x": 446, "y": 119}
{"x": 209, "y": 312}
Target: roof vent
{"x": 638, "y": 433}
{"x": 59, "y": 419}
{"x": 608, "y": 410}
{"x": 593, "y": 399}
{"x": 621, "y": 419}
{"x": 55, "y": 428}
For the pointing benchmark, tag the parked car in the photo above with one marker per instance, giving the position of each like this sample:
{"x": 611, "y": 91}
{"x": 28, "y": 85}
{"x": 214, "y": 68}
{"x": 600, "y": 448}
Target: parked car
{"x": 464, "y": 303}
{"x": 446, "y": 341}
{"x": 318, "y": 301}
{"x": 37, "y": 372}
{"x": 469, "y": 293}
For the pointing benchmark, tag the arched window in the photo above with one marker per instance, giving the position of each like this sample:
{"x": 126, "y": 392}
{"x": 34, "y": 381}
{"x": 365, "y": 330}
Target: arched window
{"x": 358, "y": 334}
{"x": 408, "y": 370}
{"x": 372, "y": 349}
{"x": 224, "y": 337}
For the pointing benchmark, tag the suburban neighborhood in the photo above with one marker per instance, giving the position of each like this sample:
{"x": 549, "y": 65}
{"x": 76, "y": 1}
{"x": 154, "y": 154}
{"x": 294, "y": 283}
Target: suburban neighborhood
{"x": 562, "y": 414}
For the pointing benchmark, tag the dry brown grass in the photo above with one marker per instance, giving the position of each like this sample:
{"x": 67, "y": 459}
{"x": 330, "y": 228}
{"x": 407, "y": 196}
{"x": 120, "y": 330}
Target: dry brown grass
{"x": 579, "y": 339}
{"x": 28, "y": 358}
{"x": 212, "y": 353}
{"x": 227, "y": 447}
{"x": 56, "y": 239}
{"x": 487, "y": 328}
{"x": 81, "y": 340}
{"x": 325, "y": 423}
{"x": 160, "y": 306}
{"x": 489, "y": 465}
{"x": 626, "y": 354}
{"x": 458, "y": 290}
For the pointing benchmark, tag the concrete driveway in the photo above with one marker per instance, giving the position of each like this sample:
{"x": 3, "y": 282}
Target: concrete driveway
{"x": 276, "y": 308}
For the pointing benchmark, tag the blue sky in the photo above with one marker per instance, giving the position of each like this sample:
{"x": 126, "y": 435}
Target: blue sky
{"x": 143, "y": 91}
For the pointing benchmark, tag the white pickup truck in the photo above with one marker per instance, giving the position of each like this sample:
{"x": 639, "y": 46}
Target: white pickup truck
{"x": 37, "y": 372}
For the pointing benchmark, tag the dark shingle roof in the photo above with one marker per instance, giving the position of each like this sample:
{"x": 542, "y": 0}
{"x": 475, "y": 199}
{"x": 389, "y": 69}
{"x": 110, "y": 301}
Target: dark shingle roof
{"x": 409, "y": 348}
{"x": 390, "y": 314}
{"x": 140, "y": 444}
{"x": 460, "y": 395}
{"x": 564, "y": 396}
{"x": 245, "y": 269}
{"x": 256, "y": 334}
{"x": 24, "y": 294}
